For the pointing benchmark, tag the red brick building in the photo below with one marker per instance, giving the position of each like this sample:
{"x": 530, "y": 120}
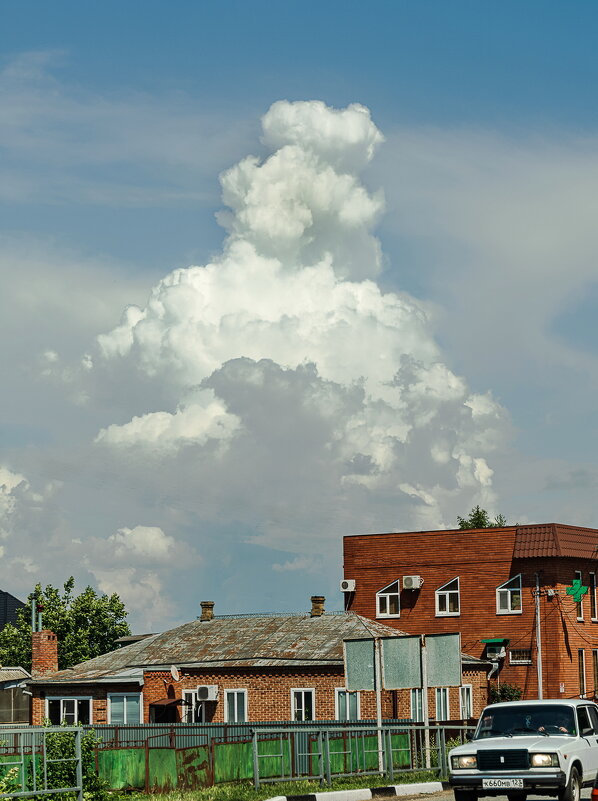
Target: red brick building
{"x": 234, "y": 668}
{"x": 505, "y": 590}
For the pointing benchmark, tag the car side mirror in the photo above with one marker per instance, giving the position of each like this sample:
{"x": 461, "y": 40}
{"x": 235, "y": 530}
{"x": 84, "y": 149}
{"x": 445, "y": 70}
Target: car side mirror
{"x": 469, "y": 735}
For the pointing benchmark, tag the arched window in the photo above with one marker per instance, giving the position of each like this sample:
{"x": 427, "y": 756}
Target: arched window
{"x": 388, "y": 601}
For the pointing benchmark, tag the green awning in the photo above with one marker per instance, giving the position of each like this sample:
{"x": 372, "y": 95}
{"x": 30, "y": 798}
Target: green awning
{"x": 495, "y": 640}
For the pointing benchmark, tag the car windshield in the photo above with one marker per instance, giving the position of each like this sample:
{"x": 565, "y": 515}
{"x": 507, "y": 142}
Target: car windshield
{"x": 521, "y": 720}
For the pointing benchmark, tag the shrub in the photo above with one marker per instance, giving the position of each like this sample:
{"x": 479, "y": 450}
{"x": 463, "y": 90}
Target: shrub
{"x": 504, "y": 692}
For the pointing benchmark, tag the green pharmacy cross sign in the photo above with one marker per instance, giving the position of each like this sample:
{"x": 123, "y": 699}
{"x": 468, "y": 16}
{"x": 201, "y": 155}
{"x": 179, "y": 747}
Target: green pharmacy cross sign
{"x": 577, "y": 591}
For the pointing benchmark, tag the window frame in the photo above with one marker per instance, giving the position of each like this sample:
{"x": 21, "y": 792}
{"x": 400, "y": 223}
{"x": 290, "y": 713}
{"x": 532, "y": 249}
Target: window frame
{"x": 442, "y": 692}
{"x": 503, "y": 588}
{"x": 579, "y": 605}
{"x": 313, "y": 702}
{"x": 387, "y": 595}
{"x": 236, "y": 691}
{"x": 592, "y": 594}
{"x": 190, "y": 710}
{"x": 62, "y": 699}
{"x": 524, "y": 661}
{"x": 581, "y": 672}
{"x": 469, "y": 692}
{"x": 441, "y": 591}
{"x": 109, "y": 698}
{"x": 337, "y": 704}
{"x": 417, "y": 694}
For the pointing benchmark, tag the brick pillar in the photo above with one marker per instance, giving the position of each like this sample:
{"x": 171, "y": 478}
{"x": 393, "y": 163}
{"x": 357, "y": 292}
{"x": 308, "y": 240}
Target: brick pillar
{"x": 317, "y": 605}
{"x": 44, "y": 652}
{"x": 207, "y": 611}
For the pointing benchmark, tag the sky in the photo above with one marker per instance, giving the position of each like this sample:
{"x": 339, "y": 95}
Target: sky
{"x": 276, "y": 273}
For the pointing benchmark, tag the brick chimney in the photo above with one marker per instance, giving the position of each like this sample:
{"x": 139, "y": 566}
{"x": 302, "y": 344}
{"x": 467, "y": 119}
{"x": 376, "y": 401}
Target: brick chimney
{"x": 207, "y": 611}
{"x": 317, "y": 605}
{"x": 44, "y": 652}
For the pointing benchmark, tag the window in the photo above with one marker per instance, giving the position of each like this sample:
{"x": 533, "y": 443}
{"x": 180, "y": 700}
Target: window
{"x": 235, "y": 706}
{"x": 124, "y": 708}
{"x": 193, "y": 710}
{"x": 346, "y": 705}
{"x": 520, "y": 656}
{"x": 508, "y": 597}
{"x": 465, "y": 701}
{"x": 68, "y": 710}
{"x": 447, "y": 598}
{"x": 442, "y": 704}
{"x": 581, "y": 665}
{"x": 388, "y": 601}
{"x": 595, "y": 671}
{"x": 417, "y": 705}
{"x": 302, "y": 704}
{"x": 579, "y": 606}
{"x": 593, "y": 596}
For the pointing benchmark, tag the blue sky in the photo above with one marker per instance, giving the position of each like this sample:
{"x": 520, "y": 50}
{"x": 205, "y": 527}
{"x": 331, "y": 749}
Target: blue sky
{"x": 140, "y": 454}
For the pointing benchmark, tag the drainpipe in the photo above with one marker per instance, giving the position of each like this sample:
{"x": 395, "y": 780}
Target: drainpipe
{"x": 538, "y": 638}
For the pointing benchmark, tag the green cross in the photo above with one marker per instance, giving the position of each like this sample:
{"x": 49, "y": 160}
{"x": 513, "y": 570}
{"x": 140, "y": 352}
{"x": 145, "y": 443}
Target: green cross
{"x": 577, "y": 590}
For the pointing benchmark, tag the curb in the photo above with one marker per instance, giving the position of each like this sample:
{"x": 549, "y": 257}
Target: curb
{"x": 365, "y": 795}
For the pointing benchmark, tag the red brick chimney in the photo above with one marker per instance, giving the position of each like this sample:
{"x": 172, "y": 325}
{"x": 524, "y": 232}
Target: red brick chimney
{"x": 317, "y": 605}
{"x": 44, "y": 652}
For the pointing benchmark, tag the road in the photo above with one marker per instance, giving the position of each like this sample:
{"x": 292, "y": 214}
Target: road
{"x": 447, "y": 795}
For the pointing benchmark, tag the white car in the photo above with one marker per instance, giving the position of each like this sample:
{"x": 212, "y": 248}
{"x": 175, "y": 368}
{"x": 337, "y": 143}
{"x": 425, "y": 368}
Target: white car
{"x": 520, "y": 747}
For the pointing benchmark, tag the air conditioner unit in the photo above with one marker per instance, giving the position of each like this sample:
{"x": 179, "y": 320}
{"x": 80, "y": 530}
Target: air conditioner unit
{"x": 207, "y": 692}
{"x": 496, "y": 651}
{"x": 348, "y": 585}
{"x": 412, "y": 582}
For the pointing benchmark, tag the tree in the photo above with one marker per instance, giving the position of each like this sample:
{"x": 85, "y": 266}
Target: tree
{"x": 85, "y": 625}
{"x": 504, "y": 692}
{"x": 479, "y": 518}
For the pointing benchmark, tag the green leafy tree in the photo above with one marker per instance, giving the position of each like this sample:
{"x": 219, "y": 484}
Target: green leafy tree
{"x": 504, "y": 692}
{"x": 479, "y": 518}
{"x": 86, "y": 625}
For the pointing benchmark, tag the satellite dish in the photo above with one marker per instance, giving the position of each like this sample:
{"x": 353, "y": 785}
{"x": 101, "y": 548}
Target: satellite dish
{"x": 174, "y": 672}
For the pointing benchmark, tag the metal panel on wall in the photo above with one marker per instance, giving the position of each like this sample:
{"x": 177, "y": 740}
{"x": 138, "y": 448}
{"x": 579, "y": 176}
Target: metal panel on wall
{"x": 401, "y": 662}
{"x": 444, "y": 660}
{"x": 359, "y": 665}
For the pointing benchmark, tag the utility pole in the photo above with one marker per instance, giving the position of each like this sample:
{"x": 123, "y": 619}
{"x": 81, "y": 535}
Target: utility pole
{"x": 538, "y": 638}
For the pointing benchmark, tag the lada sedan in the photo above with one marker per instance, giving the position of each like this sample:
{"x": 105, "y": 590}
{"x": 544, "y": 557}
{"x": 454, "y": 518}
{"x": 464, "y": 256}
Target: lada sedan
{"x": 520, "y": 747}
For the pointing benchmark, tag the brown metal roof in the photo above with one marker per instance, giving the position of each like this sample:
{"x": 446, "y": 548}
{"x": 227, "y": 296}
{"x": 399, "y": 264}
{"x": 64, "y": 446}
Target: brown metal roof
{"x": 556, "y": 540}
{"x": 252, "y": 641}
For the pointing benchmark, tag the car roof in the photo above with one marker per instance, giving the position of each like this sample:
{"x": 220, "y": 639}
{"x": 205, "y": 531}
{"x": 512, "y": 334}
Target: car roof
{"x": 545, "y": 702}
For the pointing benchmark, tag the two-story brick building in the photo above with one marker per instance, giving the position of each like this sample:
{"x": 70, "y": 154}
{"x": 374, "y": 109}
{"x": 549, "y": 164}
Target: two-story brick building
{"x": 232, "y": 668}
{"x": 507, "y": 590}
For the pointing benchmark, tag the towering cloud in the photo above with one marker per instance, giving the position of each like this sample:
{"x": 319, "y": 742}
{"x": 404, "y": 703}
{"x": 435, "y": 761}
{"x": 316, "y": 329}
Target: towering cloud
{"x": 299, "y": 395}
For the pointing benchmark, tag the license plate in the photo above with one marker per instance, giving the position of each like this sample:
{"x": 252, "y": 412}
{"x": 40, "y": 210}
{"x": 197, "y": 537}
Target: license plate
{"x": 499, "y": 784}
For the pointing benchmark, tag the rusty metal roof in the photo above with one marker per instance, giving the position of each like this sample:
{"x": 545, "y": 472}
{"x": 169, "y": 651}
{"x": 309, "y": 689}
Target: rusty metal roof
{"x": 253, "y": 641}
{"x": 13, "y": 674}
{"x": 555, "y": 540}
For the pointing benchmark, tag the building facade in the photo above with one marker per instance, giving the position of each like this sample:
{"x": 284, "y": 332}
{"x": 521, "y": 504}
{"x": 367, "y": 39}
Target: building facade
{"x": 523, "y": 597}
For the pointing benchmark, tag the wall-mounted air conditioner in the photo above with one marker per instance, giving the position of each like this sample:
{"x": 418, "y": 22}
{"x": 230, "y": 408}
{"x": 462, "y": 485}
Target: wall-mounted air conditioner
{"x": 412, "y": 582}
{"x": 207, "y": 692}
{"x": 496, "y": 651}
{"x": 348, "y": 585}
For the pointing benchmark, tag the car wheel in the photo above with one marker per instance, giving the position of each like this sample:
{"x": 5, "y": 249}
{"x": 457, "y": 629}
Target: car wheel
{"x": 465, "y": 795}
{"x": 572, "y": 791}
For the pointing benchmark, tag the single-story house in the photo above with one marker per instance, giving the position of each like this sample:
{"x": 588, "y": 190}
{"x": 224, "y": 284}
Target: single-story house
{"x": 236, "y": 668}
{"x": 15, "y": 706}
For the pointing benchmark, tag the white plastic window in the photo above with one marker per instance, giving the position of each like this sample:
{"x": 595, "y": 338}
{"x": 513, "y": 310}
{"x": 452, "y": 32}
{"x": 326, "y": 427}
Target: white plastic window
{"x": 388, "y": 601}
{"x": 447, "y": 598}
{"x": 508, "y": 597}
{"x": 442, "y": 704}
{"x": 235, "y": 706}
{"x": 302, "y": 704}
{"x": 347, "y": 704}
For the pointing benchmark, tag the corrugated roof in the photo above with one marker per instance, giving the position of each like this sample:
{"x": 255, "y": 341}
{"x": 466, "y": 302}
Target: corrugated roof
{"x": 13, "y": 673}
{"x": 555, "y": 539}
{"x": 256, "y": 641}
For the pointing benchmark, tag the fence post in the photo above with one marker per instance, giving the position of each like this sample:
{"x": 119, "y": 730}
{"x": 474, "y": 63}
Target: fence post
{"x": 441, "y": 739}
{"x": 79, "y": 766}
{"x": 327, "y": 766}
{"x": 390, "y": 771}
{"x": 147, "y": 764}
{"x": 256, "y": 762}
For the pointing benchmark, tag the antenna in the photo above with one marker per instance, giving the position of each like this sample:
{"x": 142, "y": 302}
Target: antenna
{"x": 174, "y": 672}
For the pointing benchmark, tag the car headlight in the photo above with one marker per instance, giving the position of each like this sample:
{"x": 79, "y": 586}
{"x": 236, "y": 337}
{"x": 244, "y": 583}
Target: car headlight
{"x": 545, "y": 760}
{"x": 460, "y": 762}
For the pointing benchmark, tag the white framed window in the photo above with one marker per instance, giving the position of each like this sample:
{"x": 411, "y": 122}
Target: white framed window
{"x": 466, "y": 701}
{"x": 303, "y": 704}
{"x": 508, "y": 597}
{"x": 592, "y": 592}
{"x": 193, "y": 710}
{"x": 346, "y": 704}
{"x": 447, "y": 598}
{"x": 235, "y": 706}
{"x": 388, "y": 600}
{"x": 520, "y": 656}
{"x": 442, "y": 704}
{"x": 69, "y": 710}
{"x": 579, "y": 606}
{"x": 417, "y": 705}
{"x": 124, "y": 708}
{"x": 581, "y": 664}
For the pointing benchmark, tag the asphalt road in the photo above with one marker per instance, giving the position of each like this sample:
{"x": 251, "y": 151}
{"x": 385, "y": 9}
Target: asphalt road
{"x": 447, "y": 795}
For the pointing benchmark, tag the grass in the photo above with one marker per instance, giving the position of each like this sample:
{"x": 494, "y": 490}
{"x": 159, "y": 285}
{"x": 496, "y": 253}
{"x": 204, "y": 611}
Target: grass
{"x": 244, "y": 791}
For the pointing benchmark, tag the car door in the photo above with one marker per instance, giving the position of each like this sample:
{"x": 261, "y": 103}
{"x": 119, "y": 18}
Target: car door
{"x": 587, "y": 725}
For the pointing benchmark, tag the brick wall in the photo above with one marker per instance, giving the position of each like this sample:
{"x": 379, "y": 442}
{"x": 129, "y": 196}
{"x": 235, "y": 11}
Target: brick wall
{"x": 98, "y": 694}
{"x": 44, "y": 652}
{"x": 482, "y": 560}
